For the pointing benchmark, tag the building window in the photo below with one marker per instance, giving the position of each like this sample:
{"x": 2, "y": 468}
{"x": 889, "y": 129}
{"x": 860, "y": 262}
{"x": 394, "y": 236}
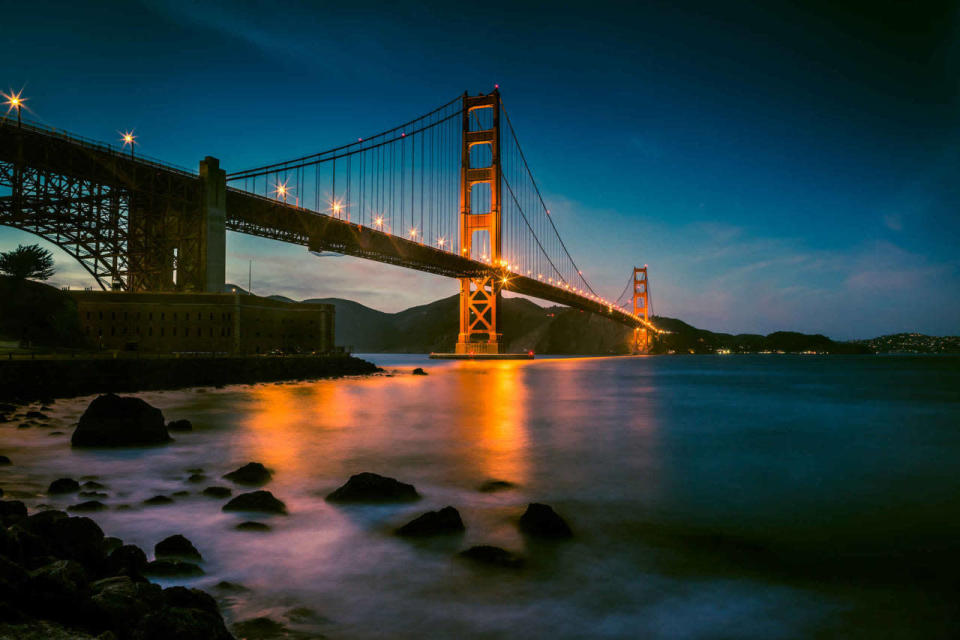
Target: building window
{"x": 99, "y": 315}
{"x": 163, "y": 315}
{"x": 124, "y": 315}
{"x": 211, "y": 332}
{"x": 211, "y": 316}
{"x": 174, "y": 316}
{"x": 149, "y": 331}
{"x": 150, "y": 316}
{"x": 113, "y": 331}
{"x": 174, "y": 332}
{"x": 113, "y": 315}
{"x": 161, "y": 331}
{"x": 88, "y": 315}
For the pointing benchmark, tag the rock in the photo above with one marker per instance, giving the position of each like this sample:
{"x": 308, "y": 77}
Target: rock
{"x": 155, "y": 500}
{"x": 419, "y": 372}
{"x": 491, "y": 486}
{"x": 370, "y": 487}
{"x": 110, "y": 544}
{"x": 24, "y": 425}
{"x": 180, "y": 494}
{"x": 259, "y": 629}
{"x": 176, "y": 546}
{"x": 249, "y": 525}
{"x": 7, "y": 408}
{"x": 190, "y": 599}
{"x": 165, "y": 568}
{"x": 256, "y": 501}
{"x": 128, "y": 560}
{"x": 57, "y": 591}
{"x": 183, "y": 624}
{"x": 5, "y": 461}
{"x": 432, "y": 523}
{"x": 89, "y": 505}
{"x": 12, "y": 511}
{"x": 112, "y": 421}
{"x": 92, "y": 485}
{"x": 36, "y": 415}
{"x": 487, "y": 554}
{"x": 70, "y": 538}
{"x": 123, "y": 603}
{"x": 252, "y": 473}
{"x": 195, "y": 470}
{"x": 217, "y": 492}
{"x": 542, "y": 521}
{"x": 180, "y": 425}
{"x": 230, "y": 587}
{"x": 197, "y": 477}
{"x": 92, "y": 494}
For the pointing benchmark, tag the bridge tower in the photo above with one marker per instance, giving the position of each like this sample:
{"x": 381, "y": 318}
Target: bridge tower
{"x": 641, "y": 307}
{"x": 480, "y": 295}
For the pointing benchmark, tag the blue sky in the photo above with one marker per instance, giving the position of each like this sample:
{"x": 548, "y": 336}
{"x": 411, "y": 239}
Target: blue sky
{"x": 788, "y": 166}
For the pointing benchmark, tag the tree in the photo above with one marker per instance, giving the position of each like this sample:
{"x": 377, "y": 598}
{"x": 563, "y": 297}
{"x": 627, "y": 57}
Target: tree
{"x": 32, "y": 261}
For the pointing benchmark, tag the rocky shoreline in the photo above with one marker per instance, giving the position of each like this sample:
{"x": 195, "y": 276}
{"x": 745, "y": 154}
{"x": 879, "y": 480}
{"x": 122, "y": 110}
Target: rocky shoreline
{"x": 61, "y": 576}
{"x": 26, "y": 380}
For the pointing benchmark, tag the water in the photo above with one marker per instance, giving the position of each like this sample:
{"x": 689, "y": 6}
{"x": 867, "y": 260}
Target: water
{"x": 712, "y": 497}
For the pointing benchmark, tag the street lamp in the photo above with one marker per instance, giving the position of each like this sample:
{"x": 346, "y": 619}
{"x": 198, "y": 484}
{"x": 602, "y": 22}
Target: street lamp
{"x": 14, "y": 101}
{"x": 129, "y": 139}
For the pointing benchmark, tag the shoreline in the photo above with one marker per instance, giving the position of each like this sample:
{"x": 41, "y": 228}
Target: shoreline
{"x": 28, "y": 380}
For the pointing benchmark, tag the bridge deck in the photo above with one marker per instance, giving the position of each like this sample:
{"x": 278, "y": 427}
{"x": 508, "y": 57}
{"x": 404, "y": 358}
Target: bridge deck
{"x": 37, "y": 146}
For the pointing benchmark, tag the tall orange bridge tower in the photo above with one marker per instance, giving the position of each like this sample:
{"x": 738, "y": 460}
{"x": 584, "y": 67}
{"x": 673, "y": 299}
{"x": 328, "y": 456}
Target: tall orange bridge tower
{"x": 480, "y": 295}
{"x": 641, "y": 308}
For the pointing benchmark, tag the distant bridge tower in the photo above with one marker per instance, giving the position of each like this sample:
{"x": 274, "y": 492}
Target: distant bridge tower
{"x": 641, "y": 308}
{"x": 480, "y": 295}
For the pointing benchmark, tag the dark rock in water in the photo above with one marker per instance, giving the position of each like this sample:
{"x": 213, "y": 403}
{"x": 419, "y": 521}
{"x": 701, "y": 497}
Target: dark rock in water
{"x": 370, "y": 487}
{"x": 110, "y": 544}
{"x": 176, "y": 546}
{"x": 129, "y": 560}
{"x": 249, "y": 525}
{"x": 92, "y": 494}
{"x": 7, "y": 408}
{"x": 491, "y": 486}
{"x": 195, "y": 470}
{"x": 4, "y": 461}
{"x": 233, "y": 587}
{"x": 419, "y": 372}
{"x": 259, "y": 629}
{"x": 12, "y": 511}
{"x": 256, "y": 501}
{"x": 57, "y": 590}
{"x": 181, "y": 494}
{"x": 123, "y": 603}
{"x": 55, "y": 433}
{"x": 197, "y": 477}
{"x": 180, "y": 425}
{"x": 36, "y": 415}
{"x": 68, "y": 538}
{"x": 155, "y": 500}
{"x": 252, "y": 473}
{"x": 217, "y": 492}
{"x": 89, "y": 505}
{"x": 487, "y": 554}
{"x": 542, "y": 521}
{"x": 112, "y": 421}
{"x": 172, "y": 568}
{"x": 1, "y": 493}
{"x": 92, "y": 485}
{"x": 446, "y": 520}
{"x": 190, "y": 599}
{"x": 24, "y": 425}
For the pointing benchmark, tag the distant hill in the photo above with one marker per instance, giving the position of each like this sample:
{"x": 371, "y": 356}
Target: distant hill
{"x": 912, "y": 343}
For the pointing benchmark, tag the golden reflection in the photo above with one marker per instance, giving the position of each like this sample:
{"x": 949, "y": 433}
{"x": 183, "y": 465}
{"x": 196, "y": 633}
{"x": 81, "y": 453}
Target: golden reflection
{"x": 493, "y": 418}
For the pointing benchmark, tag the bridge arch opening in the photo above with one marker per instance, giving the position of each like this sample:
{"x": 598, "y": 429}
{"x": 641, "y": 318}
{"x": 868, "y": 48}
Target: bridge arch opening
{"x": 70, "y": 269}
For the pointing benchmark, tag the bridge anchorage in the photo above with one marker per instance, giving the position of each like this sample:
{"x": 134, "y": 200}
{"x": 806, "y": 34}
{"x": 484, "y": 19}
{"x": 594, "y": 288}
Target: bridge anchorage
{"x": 448, "y": 193}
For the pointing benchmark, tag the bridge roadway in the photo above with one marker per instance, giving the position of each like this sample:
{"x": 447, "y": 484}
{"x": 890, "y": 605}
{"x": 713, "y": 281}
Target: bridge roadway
{"x": 37, "y": 147}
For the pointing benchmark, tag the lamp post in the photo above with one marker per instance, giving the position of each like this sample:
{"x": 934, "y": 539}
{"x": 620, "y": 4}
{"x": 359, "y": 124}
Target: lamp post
{"x": 129, "y": 139}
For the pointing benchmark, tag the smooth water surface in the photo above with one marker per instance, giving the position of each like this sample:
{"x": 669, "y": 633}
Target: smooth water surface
{"x": 711, "y": 496}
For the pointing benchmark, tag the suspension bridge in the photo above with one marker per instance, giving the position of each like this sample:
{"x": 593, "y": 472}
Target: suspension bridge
{"x": 447, "y": 193}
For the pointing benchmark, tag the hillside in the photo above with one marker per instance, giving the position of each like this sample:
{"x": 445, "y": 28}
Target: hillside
{"x": 36, "y": 313}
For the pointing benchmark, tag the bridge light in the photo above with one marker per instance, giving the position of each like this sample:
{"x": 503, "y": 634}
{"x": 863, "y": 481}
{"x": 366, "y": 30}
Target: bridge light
{"x": 440, "y": 242}
{"x": 336, "y": 207}
{"x": 504, "y": 280}
{"x": 282, "y": 190}
{"x": 14, "y": 101}
{"x": 413, "y": 232}
{"x": 129, "y": 139}
{"x": 378, "y": 222}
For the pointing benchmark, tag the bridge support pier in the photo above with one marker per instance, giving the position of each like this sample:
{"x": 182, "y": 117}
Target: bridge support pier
{"x": 641, "y": 306}
{"x": 480, "y": 294}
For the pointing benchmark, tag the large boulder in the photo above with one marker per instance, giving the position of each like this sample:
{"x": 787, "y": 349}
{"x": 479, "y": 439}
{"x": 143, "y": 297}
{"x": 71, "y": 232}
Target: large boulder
{"x": 172, "y": 568}
{"x": 127, "y": 560}
{"x": 12, "y": 511}
{"x": 252, "y": 473}
{"x": 370, "y": 487}
{"x": 180, "y": 425}
{"x": 432, "y": 523}
{"x": 262, "y": 501}
{"x": 217, "y": 492}
{"x": 176, "y": 546}
{"x": 123, "y": 603}
{"x": 542, "y": 521}
{"x": 5, "y": 461}
{"x": 113, "y": 421}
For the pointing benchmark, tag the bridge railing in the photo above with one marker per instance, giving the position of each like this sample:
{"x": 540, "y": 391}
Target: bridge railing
{"x": 95, "y": 145}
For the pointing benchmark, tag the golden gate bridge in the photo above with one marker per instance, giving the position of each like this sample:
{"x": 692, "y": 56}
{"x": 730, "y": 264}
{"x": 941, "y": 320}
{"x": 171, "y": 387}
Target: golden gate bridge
{"x": 448, "y": 193}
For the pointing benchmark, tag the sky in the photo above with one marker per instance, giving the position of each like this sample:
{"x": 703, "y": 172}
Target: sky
{"x": 778, "y": 165}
